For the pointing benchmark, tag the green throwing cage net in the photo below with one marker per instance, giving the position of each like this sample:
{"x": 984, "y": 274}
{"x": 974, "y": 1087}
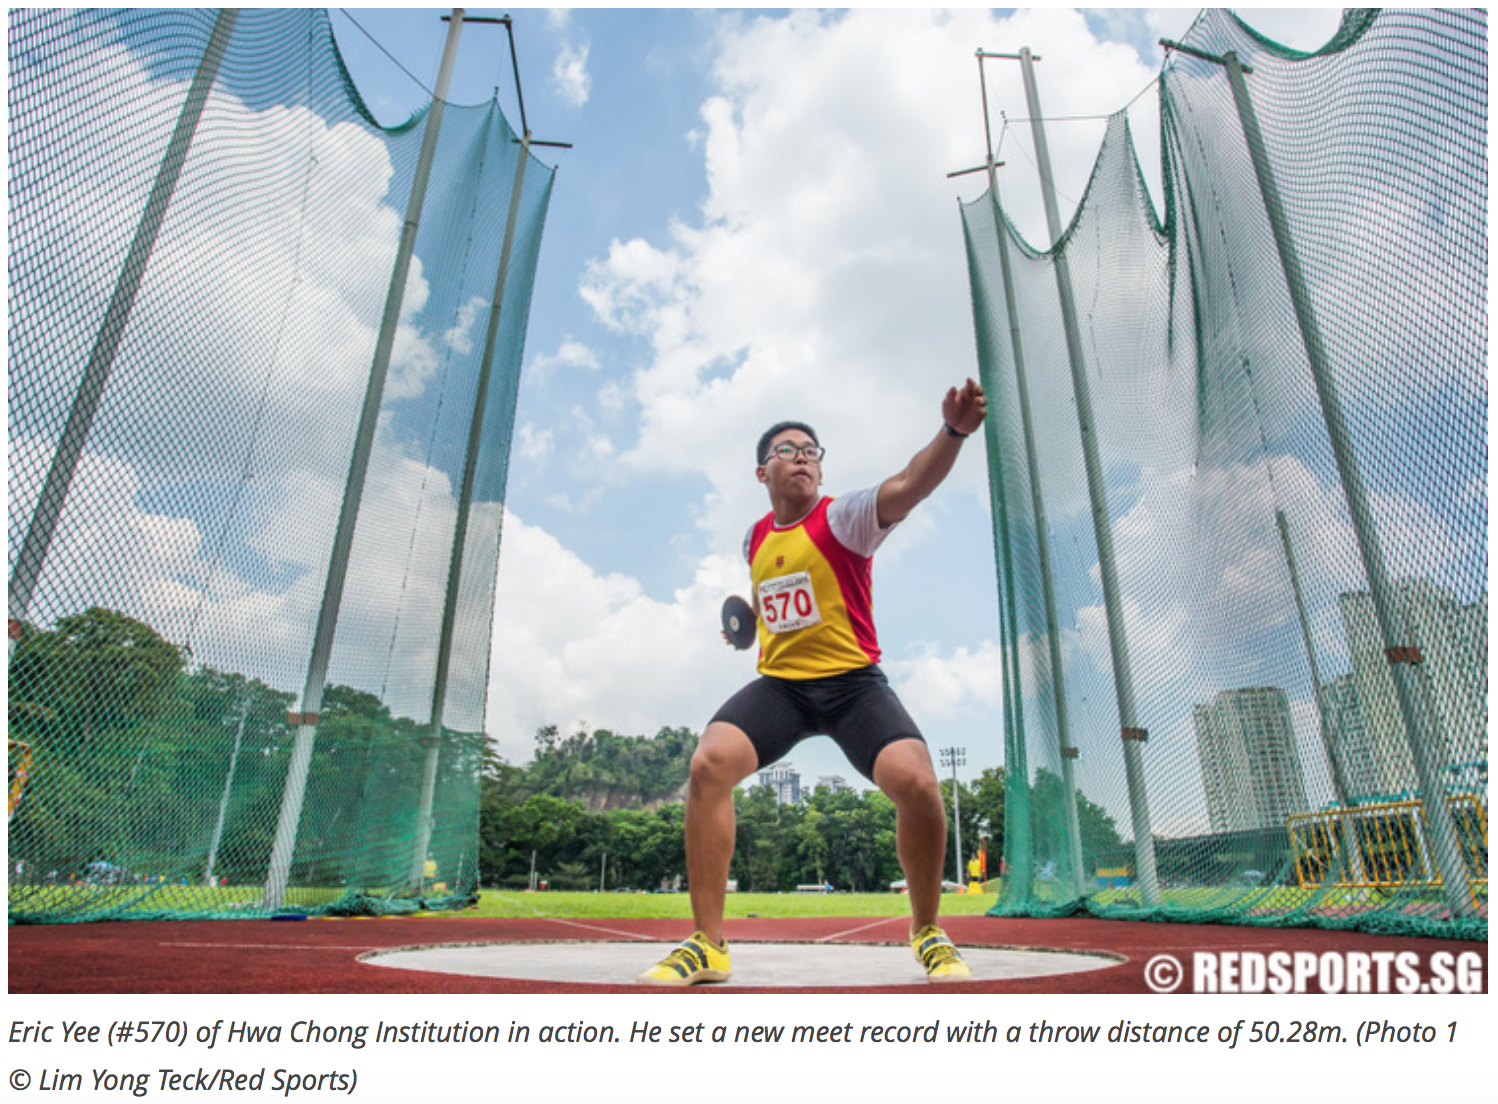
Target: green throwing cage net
{"x": 1238, "y": 468}
{"x": 205, "y": 226}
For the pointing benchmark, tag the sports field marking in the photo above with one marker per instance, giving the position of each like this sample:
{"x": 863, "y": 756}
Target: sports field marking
{"x": 271, "y": 946}
{"x": 636, "y": 936}
{"x": 860, "y": 928}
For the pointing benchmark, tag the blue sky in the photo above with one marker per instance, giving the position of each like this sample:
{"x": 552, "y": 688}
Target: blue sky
{"x": 755, "y": 223}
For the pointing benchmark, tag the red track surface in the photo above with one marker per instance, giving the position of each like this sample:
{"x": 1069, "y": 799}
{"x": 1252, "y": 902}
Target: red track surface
{"x": 322, "y": 956}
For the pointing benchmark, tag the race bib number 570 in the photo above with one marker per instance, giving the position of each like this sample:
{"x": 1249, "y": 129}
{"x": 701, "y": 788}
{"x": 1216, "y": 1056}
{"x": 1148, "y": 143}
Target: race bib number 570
{"x": 788, "y": 603}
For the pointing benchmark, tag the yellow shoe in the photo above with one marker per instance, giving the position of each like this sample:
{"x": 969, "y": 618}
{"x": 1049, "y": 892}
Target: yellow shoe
{"x": 697, "y": 960}
{"x": 935, "y": 952}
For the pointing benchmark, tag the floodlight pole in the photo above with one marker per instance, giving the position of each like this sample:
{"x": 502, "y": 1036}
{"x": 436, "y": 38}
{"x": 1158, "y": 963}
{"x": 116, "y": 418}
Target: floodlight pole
{"x": 955, "y": 757}
{"x": 432, "y": 741}
{"x": 1132, "y": 734}
{"x": 305, "y": 721}
{"x": 54, "y": 493}
{"x": 1402, "y": 655}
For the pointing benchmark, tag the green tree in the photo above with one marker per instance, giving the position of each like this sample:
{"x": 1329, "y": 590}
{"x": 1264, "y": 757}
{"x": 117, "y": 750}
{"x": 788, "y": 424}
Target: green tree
{"x": 760, "y": 841}
{"x": 860, "y": 834}
{"x": 98, "y": 673}
{"x": 988, "y": 807}
{"x": 100, "y": 700}
{"x": 1047, "y": 816}
{"x": 645, "y": 846}
{"x": 604, "y": 770}
{"x": 811, "y": 844}
{"x": 229, "y": 710}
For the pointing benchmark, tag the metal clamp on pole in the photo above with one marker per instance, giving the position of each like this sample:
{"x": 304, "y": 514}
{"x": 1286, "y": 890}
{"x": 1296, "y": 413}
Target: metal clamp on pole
{"x": 1192, "y": 51}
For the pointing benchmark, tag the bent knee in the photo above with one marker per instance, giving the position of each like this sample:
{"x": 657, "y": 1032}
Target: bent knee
{"x": 910, "y": 784}
{"x": 723, "y": 759}
{"x": 916, "y": 790}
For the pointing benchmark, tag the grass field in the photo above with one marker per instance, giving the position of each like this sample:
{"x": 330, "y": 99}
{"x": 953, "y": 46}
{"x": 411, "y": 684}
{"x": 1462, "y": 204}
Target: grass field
{"x": 122, "y": 901}
{"x": 677, "y": 906}
{"x": 157, "y": 902}
{"x": 739, "y": 905}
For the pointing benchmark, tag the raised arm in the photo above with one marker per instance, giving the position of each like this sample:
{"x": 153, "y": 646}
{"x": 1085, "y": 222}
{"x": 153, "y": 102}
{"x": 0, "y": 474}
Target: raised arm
{"x": 962, "y": 412}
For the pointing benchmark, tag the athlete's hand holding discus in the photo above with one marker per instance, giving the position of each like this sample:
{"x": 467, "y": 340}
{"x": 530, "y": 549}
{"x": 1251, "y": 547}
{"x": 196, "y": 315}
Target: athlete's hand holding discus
{"x": 738, "y": 622}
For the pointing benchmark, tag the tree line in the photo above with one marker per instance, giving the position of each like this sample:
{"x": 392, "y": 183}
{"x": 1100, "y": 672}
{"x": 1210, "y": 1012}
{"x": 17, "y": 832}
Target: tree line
{"x": 145, "y": 766}
{"x": 596, "y": 810}
{"x": 145, "y": 762}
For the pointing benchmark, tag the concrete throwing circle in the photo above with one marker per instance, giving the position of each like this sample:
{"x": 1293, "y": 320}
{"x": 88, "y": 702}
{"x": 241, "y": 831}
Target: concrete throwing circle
{"x": 755, "y": 965}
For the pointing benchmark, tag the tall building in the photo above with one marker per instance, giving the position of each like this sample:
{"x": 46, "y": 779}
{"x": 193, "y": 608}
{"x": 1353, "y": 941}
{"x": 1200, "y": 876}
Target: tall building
{"x": 785, "y": 781}
{"x": 1342, "y": 713}
{"x": 1452, "y": 640}
{"x": 832, "y": 783}
{"x": 1245, "y": 741}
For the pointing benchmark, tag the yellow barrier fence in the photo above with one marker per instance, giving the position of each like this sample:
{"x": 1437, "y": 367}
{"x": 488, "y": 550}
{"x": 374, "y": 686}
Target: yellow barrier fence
{"x": 1385, "y": 846}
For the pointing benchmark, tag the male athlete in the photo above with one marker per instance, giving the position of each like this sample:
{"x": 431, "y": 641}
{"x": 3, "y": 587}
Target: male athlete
{"x": 810, "y": 561}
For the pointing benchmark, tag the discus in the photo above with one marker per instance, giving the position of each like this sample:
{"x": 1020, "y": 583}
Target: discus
{"x": 738, "y": 622}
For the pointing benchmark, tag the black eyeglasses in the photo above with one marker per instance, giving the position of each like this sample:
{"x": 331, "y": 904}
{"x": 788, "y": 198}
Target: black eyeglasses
{"x": 788, "y": 452}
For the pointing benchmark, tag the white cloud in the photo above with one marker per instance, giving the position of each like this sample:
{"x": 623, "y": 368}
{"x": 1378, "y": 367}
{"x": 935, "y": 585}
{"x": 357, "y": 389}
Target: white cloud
{"x": 825, "y": 279}
{"x": 250, "y": 605}
{"x": 247, "y": 316}
{"x": 459, "y": 336}
{"x": 573, "y": 645}
{"x": 1300, "y": 28}
{"x": 569, "y": 75}
{"x": 935, "y": 686}
{"x": 570, "y": 354}
{"x": 822, "y": 277}
{"x": 533, "y": 444}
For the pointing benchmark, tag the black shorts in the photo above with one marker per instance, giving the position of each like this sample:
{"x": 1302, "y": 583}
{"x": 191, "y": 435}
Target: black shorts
{"x": 858, "y": 709}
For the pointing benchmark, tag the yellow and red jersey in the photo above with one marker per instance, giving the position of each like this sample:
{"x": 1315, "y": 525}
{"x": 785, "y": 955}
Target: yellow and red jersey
{"x": 813, "y": 582}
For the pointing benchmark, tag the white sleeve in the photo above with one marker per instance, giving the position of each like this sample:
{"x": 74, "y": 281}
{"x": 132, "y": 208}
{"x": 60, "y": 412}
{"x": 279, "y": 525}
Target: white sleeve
{"x": 854, "y": 521}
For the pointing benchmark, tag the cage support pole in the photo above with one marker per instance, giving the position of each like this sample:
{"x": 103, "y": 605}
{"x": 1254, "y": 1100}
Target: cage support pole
{"x": 54, "y": 493}
{"x": 305, "y": 721}
{"x": 1133, "y": 736}
{"x": 1037, "y": 507}
{"x": 433, "y": 740}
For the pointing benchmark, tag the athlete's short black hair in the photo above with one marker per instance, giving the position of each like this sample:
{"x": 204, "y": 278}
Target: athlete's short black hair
{"x": 761, "y": 454}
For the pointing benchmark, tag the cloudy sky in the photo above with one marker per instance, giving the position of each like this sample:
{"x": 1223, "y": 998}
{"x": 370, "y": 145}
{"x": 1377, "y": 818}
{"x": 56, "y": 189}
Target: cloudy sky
{"x": 756, "y": 222}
